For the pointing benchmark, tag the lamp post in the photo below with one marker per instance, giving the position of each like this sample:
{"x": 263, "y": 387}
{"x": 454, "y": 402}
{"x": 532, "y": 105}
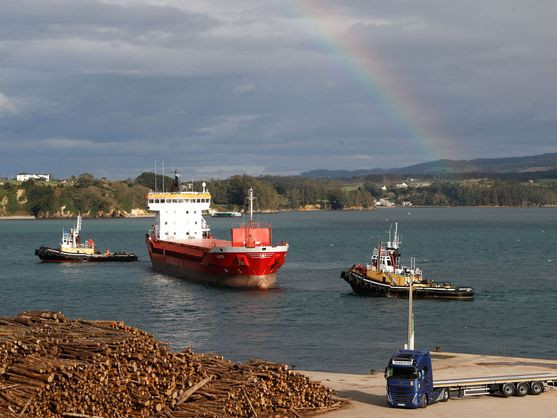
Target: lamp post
{"x": 410, "y": 317}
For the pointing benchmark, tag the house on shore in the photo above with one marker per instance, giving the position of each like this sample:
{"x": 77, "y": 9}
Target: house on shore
{"x": 25, "y": 176}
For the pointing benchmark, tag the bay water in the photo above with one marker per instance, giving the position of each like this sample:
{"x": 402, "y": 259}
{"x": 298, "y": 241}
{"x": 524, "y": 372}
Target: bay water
{"x": 312, "y": 320}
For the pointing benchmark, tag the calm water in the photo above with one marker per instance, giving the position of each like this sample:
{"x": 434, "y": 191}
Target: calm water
{"x": 312, "y": 320}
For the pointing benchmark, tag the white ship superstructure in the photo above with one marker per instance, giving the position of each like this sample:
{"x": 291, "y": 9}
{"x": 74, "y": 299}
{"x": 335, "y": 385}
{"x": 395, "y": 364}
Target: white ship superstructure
{"x": 179, "y": 215}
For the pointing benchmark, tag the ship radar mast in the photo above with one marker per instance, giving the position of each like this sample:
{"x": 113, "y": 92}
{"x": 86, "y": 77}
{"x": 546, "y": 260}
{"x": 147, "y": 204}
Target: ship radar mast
{"x": 176, "y": 183}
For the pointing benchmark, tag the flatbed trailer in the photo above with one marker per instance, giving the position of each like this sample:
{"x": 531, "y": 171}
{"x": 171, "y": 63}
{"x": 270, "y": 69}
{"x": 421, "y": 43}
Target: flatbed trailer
{"x": 410, "y": 382}
{"x": 518, "y": 385}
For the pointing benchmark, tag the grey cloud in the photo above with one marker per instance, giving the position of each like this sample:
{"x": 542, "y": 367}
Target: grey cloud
{"x": 6, "y": 105}
{"x": 252, "y": 87}
{"x": 89, "y": 19}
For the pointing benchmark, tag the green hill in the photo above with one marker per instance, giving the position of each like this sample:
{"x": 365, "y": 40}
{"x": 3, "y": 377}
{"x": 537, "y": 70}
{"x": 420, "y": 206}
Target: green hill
{"x": 85, "y": 194}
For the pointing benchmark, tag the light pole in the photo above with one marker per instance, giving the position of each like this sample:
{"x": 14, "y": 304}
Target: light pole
{"x": 410, "y": 317}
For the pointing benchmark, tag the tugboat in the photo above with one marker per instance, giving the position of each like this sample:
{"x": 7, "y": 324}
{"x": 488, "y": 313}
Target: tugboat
{"x": 71, "y": 250}
{"x": 180, "y": 243}
{"x": 385, "y": 276}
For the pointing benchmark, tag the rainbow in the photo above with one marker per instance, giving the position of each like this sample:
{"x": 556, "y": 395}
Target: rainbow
{"x": 367, "y": 68}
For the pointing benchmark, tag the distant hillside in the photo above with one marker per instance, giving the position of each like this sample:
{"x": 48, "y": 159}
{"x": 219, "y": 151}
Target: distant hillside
{"x": 89, "y": 196}
{"x": 93, "y": 197}
{"x": 534, "y": 163}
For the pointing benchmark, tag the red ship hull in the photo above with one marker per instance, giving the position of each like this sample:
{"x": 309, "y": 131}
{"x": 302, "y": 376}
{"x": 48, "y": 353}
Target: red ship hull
{"x": 217, "y": 262}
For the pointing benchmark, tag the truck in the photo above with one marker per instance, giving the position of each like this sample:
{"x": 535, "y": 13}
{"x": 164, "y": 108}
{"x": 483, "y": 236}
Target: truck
{"x": 410, "y": 383}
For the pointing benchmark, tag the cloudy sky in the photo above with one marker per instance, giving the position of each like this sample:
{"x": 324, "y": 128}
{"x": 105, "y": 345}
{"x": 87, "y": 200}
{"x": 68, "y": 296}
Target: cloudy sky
{"x": 221, "y": 87}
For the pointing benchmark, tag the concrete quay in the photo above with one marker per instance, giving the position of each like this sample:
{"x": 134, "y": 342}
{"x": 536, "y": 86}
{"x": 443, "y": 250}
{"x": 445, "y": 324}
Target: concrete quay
{"x": 366, "y": 393}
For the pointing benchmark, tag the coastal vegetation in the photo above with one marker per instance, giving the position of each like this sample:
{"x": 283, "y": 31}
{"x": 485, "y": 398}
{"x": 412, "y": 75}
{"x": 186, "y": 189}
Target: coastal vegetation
{"x": 100, "y": 197}
{"x": 85, "y": 194}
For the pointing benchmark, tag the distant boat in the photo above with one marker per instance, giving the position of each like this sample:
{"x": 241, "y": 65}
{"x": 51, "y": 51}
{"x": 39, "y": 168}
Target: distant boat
{"x": 386, "y": 276}
{"x": 72, "y": 250}
{"x": 226, "y": 214}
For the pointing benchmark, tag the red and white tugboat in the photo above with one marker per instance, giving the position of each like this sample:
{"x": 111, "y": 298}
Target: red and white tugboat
{"x": 386, "y": 276}
{"x": 180, "y": 243}
{"x": 72, "y": 250}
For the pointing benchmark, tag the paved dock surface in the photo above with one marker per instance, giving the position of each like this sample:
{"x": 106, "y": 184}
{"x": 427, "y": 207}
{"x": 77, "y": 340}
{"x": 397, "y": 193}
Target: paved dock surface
{"x": 366, "y": 393}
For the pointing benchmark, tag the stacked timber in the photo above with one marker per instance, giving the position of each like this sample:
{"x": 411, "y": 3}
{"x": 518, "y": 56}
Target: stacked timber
{"x": 53, "y": 366}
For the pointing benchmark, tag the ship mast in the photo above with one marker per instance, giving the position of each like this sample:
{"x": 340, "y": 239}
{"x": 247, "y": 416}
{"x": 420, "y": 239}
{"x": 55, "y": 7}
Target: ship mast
{"x": 250, "y": 198}
{"x": 394, "y": 242}
{"x": 176, "y": 183}
{"x": 76, "y": 230}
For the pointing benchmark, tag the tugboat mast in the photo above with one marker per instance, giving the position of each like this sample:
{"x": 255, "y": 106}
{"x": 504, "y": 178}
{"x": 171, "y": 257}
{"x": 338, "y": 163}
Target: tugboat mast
{"x": 76, "y": 230}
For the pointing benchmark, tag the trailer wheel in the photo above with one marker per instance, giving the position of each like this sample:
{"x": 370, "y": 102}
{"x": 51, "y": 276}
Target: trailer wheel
{"x": 536, "y": 388}
{"x": 423, "y": 400}
{"x": 445, "y": 395}
{"x": 521, "y": 389}
{"x": 507, "y": 389}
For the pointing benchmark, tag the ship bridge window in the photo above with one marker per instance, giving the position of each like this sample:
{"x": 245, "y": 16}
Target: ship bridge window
{"x": 151, "y": 200}
{"x": 180, "y": 200}
{"x": 174, "y": 201}
{"x": 157, "y": 201}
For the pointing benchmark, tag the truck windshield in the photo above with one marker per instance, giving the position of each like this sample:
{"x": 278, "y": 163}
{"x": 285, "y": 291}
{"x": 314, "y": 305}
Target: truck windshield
{"x": 402, "y": 373}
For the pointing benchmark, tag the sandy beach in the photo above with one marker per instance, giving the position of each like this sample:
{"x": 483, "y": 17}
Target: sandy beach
{"x": 366, "y": 393}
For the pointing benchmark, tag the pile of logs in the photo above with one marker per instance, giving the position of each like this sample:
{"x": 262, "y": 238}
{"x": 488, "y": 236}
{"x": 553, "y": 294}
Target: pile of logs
{"x": 54, "y": 366}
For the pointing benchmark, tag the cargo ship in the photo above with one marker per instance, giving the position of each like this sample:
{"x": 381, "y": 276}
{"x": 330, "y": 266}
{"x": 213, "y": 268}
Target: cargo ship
{"x": 180, "y": 243}
{"x": 386, "y": 276}
{"x": 72, "y": 250}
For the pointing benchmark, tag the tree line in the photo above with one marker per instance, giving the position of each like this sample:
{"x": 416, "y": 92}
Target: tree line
{"x": 85, "y": 194}
{"x": 93, "y": 197}
{"x": 295, "y": 192}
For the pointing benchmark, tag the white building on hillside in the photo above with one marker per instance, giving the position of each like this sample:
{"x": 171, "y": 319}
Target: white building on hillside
{"x": 26, "y": 176}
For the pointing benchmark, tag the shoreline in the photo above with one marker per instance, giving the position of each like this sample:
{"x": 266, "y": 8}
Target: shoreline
{"x": 33, "y": 218}
{"x": 301, "y": 210}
